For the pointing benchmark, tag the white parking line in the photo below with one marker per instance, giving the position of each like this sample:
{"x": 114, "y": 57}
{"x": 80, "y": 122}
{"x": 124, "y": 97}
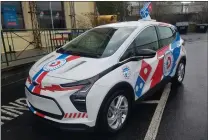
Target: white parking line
{"x": 156, "y": 119}
{"x": 13, "y": 110}
{"x": 6, "y": 118}
{"x": 9, "y": 113}
{"x": 150, "y": 102}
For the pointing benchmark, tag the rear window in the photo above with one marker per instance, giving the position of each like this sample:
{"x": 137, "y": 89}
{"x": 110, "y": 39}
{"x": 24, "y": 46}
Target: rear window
{"x": 166, "y": 36}
{"x": 164, "y": 32}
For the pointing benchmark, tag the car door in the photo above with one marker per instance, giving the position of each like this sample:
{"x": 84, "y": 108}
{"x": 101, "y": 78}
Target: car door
{"x": 168, "y": 52}
{"x": 145, "y": 69}
{"x": 142, "y": 70}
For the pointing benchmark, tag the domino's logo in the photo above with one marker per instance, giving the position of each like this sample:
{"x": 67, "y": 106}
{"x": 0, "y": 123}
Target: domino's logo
{"x": 126, "y": 72}
{"x": 168, "y": 63}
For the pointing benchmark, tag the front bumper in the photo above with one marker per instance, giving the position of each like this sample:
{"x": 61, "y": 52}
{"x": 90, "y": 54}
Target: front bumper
{"x": 64, "y": 126}
{"x": 63, "y": 118}
{"x": 44, "y": 105}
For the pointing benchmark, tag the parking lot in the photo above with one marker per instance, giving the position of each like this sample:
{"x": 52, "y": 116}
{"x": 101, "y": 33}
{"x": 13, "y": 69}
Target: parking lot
{"x": 182, "y": 117}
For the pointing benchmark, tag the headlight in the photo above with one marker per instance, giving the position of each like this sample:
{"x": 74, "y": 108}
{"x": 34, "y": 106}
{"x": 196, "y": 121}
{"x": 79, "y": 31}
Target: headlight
{"x": 79, "y": 98}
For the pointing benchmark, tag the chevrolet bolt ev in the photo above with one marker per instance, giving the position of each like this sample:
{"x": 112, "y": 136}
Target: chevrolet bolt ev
{"x": 93, "y": 80}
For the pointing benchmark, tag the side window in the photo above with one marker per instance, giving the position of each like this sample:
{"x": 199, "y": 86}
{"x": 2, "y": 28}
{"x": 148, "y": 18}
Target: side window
{"x": 166, "y": 36}
{"x": 147, "y": 39}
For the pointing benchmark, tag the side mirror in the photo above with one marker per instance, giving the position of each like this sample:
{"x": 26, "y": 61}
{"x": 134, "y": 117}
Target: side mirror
{"x": 145, "y": 53}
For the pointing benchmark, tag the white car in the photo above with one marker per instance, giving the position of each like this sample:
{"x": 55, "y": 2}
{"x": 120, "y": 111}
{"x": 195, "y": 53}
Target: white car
{"x": 94, "y": 79}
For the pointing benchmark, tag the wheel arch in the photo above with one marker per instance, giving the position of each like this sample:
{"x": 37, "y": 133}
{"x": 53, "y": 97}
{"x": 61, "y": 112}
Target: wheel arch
{"x": 120, "y": 85}
{"x": 183, "y": 58}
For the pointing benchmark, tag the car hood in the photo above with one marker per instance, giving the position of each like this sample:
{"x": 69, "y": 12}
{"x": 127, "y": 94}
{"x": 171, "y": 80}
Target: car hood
{"x": 69, "y": 67}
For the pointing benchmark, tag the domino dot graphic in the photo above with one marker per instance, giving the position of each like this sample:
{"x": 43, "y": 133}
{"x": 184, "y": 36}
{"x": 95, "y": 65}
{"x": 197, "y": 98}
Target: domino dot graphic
{"x": 137, "y": 88}
{"x": 141, "y": 85}
{"x": 145, "y": 71}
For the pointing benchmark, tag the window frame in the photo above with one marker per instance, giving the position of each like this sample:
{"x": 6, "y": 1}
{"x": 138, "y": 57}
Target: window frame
{"x": 151, "y": 42}
{"x": 18, "y": 13}
{"x": 64, "y": 16}
{"x": 133, "y": 42}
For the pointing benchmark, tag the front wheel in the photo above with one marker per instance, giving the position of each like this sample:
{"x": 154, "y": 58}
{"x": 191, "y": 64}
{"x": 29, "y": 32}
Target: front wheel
{"x": 115, "y": 112}
{"x": 180, "y": 73}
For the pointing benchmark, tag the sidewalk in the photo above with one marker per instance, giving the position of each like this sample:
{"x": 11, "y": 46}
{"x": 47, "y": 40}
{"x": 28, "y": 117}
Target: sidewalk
{"x": 19, "y": 58}
{"x": 20, "y": 64}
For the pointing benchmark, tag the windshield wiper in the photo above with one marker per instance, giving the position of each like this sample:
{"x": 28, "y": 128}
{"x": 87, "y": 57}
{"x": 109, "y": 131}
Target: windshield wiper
{"x": 92, "y": 55}
{"x": 61, "y": 50}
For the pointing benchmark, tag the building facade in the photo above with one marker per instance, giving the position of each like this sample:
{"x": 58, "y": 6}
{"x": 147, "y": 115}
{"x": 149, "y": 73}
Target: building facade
{"x": 169, "y": 7}
{"x": 31, "y": 16}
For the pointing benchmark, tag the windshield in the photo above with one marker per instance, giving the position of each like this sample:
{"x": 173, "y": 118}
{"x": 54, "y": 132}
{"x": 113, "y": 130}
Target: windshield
{"x": 98, "y": 42}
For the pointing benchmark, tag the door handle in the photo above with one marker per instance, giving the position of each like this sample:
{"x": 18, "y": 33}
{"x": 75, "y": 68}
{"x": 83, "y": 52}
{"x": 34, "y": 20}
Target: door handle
{"x": 160, "y": 57}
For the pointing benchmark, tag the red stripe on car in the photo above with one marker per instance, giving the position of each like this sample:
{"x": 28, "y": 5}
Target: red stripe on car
{"x": 39, "y": 114}
{"x": 74, "y": 115}
{"x": 79, "y": 115}
{"x": 162, "y": 51}
{"x": 65, "y": 116}
{"x": 72, "y": 58}
{"x": 70, "y": 115}
{"x": 83, "y": 115}
{"x": 40, "y": 78}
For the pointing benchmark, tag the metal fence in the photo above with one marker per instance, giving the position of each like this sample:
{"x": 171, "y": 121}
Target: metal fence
{"x": 23, "y": 46}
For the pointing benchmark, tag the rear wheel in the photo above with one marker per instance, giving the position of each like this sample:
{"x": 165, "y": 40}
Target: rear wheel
{"x": 115, "y": 112}
{"x": 180, "y": 73}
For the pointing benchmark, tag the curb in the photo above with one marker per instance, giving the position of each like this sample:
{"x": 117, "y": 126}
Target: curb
{"x": 9, "y": 68}
{"x": 13, "y": 74}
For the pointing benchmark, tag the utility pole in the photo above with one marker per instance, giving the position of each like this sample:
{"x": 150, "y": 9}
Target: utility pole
{"x": 51, "y": 15}
{"x": 72, "y": 15}
{"x": 95, "y": 15}
{"x": 124, "y": 11}
{"x": 35, "y": 25}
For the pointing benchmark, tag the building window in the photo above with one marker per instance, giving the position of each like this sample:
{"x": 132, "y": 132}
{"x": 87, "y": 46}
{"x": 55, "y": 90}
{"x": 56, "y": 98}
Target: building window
{"x": 12, "y": 19}
{"x": 44, "y": 14}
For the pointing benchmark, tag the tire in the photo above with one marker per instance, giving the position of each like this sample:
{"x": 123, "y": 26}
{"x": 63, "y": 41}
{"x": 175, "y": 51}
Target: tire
{"x": 179, "y": 76}
{"x": 105, "y": 115}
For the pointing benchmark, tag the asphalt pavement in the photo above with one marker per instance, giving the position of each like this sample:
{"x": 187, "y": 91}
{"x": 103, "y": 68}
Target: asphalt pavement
{"x": 184, "y": 116}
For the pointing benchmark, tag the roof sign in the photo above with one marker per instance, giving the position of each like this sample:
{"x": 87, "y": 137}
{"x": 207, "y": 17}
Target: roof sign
{"x": 144, "y": 12}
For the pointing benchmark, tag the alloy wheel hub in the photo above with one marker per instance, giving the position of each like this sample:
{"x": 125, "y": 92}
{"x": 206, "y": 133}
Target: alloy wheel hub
{"x": 117, "y": 112}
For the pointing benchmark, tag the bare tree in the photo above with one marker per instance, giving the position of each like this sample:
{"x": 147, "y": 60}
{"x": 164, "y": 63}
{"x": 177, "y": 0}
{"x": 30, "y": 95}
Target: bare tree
{"x": 158, "y": 10}
{"x": 202, "y": 16}
{"x": 86, "y": 20}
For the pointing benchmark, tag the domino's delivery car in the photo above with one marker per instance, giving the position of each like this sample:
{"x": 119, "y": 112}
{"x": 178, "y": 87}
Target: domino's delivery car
{"x": 94, "y": 79}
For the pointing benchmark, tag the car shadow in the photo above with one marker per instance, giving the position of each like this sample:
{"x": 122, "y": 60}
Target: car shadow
{"x": 136, "y": 128}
